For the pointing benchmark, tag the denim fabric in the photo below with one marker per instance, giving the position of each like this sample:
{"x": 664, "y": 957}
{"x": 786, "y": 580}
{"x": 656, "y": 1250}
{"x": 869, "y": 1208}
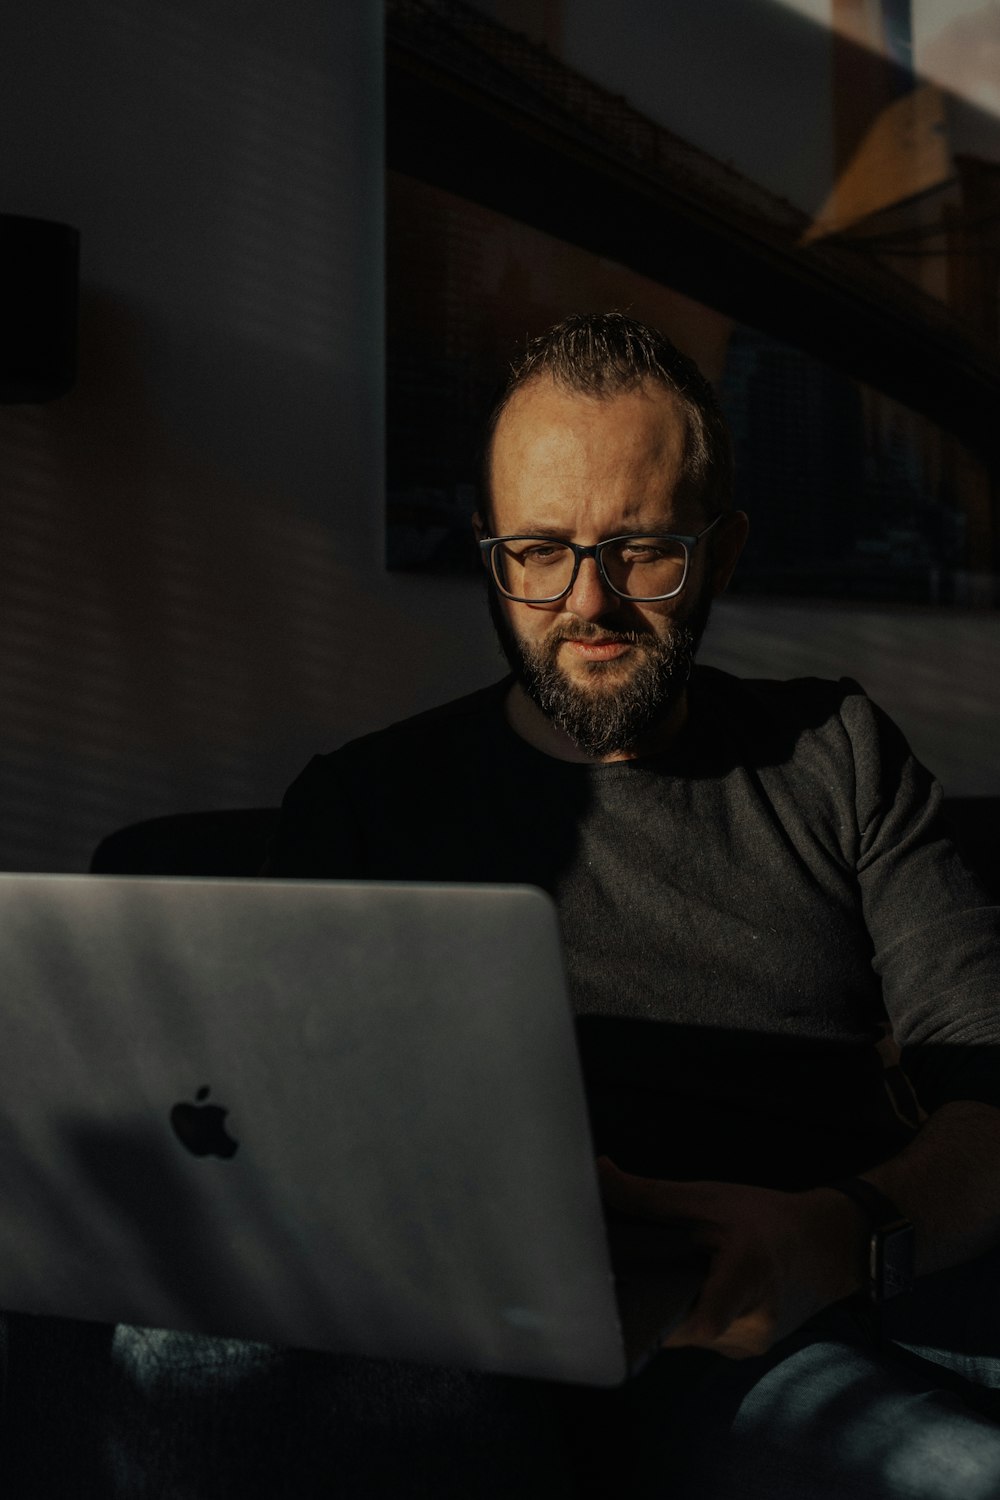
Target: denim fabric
{"x": 140, "y": 1414}
{"x": 833, "y": 1411}
{"x": 193, "y": 1417}
{"x": 132, "y": 1414}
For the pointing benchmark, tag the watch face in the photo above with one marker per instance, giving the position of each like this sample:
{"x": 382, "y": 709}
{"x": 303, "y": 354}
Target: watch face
{"x": 892, "y": 1271}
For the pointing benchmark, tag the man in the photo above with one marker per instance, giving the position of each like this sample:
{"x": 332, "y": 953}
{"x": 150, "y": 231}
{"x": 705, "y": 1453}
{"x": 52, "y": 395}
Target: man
{"x": 752, "y": 884}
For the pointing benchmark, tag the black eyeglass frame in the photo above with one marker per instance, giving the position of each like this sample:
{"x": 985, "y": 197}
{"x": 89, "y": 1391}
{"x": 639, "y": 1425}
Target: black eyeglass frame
{"x": 488, "y": 544}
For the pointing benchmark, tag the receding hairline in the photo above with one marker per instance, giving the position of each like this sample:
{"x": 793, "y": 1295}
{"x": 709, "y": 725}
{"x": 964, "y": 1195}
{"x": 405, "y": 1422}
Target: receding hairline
{"x": 603, "y": 355}
{"x": 644, "y": 383}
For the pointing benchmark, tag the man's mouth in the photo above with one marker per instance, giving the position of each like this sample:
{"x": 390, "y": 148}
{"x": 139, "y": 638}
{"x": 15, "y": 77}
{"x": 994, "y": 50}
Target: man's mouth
{"x": 597, "y": 650}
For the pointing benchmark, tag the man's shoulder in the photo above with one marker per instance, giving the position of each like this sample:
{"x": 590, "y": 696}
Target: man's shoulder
{"x": 439, "y": 741}
{"x": 433, "y": 731}
{"x": 471, "y": 711}
{"x": 825, "y": 730}
{"x": 811, "y": 701}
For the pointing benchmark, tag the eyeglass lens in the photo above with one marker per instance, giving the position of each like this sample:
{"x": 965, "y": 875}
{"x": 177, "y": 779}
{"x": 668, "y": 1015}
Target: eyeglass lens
{"x": 640, "y": 567}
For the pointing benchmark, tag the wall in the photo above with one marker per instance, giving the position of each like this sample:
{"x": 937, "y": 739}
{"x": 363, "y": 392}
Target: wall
{"x": 193, "y": 598}
{"x": 192, "y": 594}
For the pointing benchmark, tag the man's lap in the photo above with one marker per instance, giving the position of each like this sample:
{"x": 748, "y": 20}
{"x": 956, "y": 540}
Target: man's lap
{"x": 826, "y": 1413}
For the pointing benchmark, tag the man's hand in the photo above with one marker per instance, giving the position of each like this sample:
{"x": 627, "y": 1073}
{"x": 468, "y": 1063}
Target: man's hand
{"x": 776, "y": 1258}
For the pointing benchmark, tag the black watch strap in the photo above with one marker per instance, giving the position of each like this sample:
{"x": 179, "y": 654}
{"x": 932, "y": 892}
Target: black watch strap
{"x": 878, "y": 1209}
{"x": 890, "y": 1244}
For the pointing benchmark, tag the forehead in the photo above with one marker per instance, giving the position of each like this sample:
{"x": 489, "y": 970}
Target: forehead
{"x": 565, "y": 459}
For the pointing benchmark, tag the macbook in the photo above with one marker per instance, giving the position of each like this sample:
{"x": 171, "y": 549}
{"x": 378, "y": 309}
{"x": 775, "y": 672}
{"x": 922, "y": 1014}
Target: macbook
{"x": 330, "y": 1115}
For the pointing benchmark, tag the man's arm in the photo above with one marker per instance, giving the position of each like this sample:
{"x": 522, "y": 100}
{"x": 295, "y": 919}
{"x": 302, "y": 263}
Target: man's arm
{"x": 778, "y": 1258}
{"x": 946, "y": 1181}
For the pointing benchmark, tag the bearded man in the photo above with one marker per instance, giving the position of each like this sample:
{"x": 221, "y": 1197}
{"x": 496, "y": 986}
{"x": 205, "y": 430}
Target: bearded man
{"x": 754, "y": 887}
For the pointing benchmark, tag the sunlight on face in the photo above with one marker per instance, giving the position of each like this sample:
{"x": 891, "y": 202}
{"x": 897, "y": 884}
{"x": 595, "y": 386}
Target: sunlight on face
{"x": 602, "y": 668}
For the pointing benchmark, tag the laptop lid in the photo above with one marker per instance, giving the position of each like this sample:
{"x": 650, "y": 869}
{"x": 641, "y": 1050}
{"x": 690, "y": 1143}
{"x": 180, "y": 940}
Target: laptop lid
{"x": 342, "y": 1116}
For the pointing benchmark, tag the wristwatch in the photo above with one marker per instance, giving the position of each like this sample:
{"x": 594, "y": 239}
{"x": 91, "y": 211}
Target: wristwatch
{"x": 890, "y": 1247}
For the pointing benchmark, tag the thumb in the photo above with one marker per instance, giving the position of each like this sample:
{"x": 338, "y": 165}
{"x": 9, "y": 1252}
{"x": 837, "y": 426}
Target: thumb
{"x": 644, "y": 1197}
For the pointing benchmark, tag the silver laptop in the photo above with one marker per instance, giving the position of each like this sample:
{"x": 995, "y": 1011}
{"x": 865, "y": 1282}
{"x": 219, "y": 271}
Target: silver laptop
{"x": 321, "y": 1114}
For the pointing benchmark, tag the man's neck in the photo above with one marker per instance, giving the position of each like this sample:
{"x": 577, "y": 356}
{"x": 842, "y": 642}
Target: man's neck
{"x": 527, "y": 720}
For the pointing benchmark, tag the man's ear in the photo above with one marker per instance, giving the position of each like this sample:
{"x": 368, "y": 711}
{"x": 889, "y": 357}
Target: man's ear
{"x": 728, "y": 542}
{"x": 480, "y": 529}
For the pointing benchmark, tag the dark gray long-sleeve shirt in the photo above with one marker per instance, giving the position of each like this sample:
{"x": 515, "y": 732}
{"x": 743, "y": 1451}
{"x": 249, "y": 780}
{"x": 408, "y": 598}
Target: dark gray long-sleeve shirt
{"x": 743, "y": 916}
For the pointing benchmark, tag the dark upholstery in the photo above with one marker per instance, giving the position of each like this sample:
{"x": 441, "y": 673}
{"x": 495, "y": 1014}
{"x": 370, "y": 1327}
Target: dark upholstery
{"x": 233, "y": 841}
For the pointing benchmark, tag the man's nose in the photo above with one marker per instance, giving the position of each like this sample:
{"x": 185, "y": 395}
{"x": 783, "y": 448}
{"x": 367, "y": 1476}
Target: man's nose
{"x": 590, "y": 597}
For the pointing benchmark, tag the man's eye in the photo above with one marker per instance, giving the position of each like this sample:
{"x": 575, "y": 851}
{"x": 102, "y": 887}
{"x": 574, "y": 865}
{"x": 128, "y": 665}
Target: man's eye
{"x": 541, "y": 554}
{"x": 642, "y": 552}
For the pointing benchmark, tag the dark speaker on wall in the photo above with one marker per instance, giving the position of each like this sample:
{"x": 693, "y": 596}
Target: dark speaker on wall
{"x": 39, "y": 301}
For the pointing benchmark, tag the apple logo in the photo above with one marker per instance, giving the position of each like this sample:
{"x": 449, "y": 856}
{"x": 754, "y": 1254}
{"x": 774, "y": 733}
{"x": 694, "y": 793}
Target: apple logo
{"x": 201, "y": 1127}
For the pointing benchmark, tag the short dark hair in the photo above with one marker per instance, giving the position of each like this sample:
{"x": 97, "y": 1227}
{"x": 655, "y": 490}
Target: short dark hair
{"x": 606, "y": 354}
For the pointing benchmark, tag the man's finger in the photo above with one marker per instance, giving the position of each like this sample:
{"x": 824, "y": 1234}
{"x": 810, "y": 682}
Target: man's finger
{"x": 719, "y": 1303}
{"x": 648, "y": 1197}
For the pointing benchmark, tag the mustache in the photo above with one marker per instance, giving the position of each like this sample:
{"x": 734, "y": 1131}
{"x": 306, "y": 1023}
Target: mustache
{"x": 584, "y": 630}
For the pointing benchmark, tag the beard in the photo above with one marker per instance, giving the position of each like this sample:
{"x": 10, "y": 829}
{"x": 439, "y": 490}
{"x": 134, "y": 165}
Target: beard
{"x": 610, "y": 711}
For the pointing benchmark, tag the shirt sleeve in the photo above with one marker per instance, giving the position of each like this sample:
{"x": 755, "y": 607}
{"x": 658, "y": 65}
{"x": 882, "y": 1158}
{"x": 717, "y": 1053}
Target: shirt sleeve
{"x": 935, "y": 932}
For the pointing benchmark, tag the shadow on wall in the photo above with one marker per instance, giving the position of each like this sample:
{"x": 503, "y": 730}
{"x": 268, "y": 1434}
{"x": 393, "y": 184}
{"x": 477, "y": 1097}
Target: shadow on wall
{"x": 163, "y": 623}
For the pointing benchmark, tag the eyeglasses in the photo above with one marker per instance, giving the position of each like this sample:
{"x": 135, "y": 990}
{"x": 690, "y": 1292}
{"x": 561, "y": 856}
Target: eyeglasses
{"x": 644, "y": 566}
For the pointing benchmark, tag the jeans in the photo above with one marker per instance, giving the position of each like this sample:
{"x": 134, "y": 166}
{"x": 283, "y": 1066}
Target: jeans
{"x": 911, "y": 1412}
{"x": 833, "y": 1411}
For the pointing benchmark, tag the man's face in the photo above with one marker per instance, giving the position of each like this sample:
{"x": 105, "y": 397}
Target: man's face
{"x": 605, "y": 670}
